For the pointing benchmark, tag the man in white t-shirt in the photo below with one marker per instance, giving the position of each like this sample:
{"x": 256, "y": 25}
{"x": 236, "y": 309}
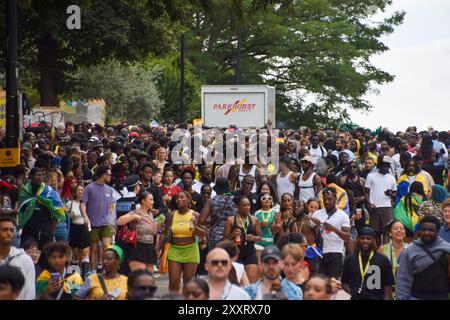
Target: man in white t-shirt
{"x": 381, "y": 187}
{"x": 206, "y": 175}
{"x": 316, "y": 151}
{"x": 335, "y": 230}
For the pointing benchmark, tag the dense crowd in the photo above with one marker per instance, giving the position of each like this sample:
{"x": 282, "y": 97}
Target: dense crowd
{"x": 100, "y": 213}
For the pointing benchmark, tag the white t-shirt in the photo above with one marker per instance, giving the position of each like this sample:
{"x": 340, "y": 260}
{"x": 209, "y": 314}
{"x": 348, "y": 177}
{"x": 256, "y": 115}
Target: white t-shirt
{"x": 233, "y": 292}
{"x": 239, "y": 267}
{"x": 197, "y": 187}
{"x": 317, "y": 153}
{"x": 115, "y": 156}
{"x": 378, "y": 183}
{"x": 351, "y": 155}
{"x": 396, "y": 165}
{"x": 332, "y": 243}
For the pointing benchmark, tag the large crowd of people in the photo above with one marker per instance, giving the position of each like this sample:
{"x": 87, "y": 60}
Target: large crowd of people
{"x": 100, "y": 213}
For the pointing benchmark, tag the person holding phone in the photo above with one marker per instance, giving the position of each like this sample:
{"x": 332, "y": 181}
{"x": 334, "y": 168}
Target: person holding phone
{"x": 335, "y": 230}
{"x": 55, "y": 283}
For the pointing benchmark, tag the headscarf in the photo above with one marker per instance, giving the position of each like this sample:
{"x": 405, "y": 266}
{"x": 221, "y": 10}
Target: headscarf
{"x": 439, "y": 194}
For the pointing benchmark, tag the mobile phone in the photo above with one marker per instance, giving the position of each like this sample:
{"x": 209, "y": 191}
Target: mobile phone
{"x": 55, "y": 276}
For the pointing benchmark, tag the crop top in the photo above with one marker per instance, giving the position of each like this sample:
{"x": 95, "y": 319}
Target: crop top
{"x": 181, "y": 225}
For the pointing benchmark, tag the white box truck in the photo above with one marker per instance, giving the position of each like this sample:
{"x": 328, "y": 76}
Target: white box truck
{"x": 246, "y": 106}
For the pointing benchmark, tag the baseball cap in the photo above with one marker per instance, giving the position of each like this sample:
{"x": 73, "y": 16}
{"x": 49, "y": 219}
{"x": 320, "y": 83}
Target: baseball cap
{"x": 271, "y": 252}
{"x": 386, "y": 159}
{"x": 97, "y": 144}
{"x": 307, "y": 158}
{"x": 133, "y": 135}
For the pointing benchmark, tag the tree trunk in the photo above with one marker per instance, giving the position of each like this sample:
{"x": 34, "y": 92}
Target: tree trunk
{"x": 47, "y": 65}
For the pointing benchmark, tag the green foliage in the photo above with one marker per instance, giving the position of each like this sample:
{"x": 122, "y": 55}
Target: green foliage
{"x": 315, "y": 52}
{"x": 168, "y": 84}
{"x": 129, "y": 90}
{"x": 125, "y": 30}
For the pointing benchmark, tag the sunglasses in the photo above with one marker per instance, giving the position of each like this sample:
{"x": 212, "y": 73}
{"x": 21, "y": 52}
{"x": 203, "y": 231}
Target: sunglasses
{"x": 264, "y": 198}
{"x": 149, "y": 289}
{"x": 216, "y": 263}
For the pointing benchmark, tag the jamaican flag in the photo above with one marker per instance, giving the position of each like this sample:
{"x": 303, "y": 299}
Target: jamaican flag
{"x": 407, "y": 214}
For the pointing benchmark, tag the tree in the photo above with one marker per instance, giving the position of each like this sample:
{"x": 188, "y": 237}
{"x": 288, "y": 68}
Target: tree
{"x": 315, "y": 52}
{"x": 126, "y": 30}
{"x": 168, "y": 84}
{"x": 129, "y": 90}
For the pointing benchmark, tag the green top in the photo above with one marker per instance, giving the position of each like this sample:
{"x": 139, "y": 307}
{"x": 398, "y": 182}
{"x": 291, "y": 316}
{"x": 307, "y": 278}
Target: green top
{"x": 266, "y": 235}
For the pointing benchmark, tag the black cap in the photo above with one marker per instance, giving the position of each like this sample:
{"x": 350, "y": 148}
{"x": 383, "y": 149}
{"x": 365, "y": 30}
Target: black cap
{"x": 131, "y": 181}
{"x": 368, "y": 232}
{"x": 97, "y": 144}
{"x": 271, "y": 252}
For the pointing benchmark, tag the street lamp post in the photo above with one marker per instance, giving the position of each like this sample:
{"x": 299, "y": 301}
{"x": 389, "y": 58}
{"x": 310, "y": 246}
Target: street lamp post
{"x": 182, "y": 83}
{"x": 238, "y": 57}
{"x": 12, "y": 114}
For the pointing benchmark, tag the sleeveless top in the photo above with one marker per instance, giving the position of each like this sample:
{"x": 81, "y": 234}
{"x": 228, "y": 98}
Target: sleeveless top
{"x": 222, "y": 208}
{"x": 284, "y": 185}
{"x": 356, "y": 187}
{"x": 307, "y": 188}
{"x": 266, "y": 235}
{"x": 146, "y": 228}
{"x": 389, "y": 252}
{"x": 250, "y": 230}
{"x": 242, "y": 174}
{"x": 181, "y": 225}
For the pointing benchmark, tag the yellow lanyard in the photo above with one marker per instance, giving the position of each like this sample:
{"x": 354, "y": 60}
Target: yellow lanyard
{"x": 242, "y": 222}
{"x": 364, "y": 271}
{"x": 265, "y": 218}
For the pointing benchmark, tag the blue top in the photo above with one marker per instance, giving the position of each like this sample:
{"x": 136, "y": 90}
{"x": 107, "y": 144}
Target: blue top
{"x": 292, "y": 291}
{"x": 444, "y": 233}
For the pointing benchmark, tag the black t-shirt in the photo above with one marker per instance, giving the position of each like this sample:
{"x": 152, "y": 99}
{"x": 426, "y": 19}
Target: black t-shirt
{"x": 40, "y": 220}
{"x": 379, "y": 275}
{"x": 87, "y": 174}
{"x": 196, "y": 202}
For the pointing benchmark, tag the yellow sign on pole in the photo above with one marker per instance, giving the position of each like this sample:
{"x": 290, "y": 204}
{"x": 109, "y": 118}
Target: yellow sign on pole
{"x": 3, "y": 109}
{"x": 9, "y": 157}
{"x": 197, "y": 122}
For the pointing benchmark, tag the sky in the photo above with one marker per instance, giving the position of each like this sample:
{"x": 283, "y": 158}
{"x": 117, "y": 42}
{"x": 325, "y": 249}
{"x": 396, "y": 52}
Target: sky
{"x": 419, "y": 58}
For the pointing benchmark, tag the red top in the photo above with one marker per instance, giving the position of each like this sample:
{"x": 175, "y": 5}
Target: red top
{"x": 170, "y": 191}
